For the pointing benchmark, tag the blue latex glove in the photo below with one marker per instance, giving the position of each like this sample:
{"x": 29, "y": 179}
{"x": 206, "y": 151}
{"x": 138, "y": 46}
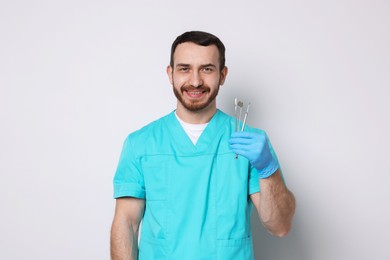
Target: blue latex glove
{"x": 255, "y": 147}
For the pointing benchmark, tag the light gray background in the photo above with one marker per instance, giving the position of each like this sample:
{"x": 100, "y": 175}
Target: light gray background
{"x": 77, "y": 76}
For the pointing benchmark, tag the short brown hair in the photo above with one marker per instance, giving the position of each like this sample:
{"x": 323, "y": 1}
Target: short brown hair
{"x": 203, "y": 39}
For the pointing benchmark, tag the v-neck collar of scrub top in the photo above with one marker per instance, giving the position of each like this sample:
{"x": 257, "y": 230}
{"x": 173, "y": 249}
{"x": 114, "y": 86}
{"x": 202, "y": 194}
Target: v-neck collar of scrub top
{"x": 206, "y": 140}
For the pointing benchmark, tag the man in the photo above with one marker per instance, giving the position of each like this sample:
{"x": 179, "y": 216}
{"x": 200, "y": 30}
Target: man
{"x": 180, "y": 177}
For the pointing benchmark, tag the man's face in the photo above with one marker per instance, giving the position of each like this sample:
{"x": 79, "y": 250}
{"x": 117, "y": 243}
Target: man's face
{"x": 196, "y": 75}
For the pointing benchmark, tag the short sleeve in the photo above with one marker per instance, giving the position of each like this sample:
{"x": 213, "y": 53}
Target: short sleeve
{"x": 128, "y": 179}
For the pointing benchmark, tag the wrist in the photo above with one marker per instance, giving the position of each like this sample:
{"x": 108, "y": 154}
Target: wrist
{"x": 268, "y": 170}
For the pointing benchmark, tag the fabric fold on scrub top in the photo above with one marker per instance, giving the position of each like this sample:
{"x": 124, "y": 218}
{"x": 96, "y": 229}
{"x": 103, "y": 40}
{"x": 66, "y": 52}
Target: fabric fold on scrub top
{"x": 196, "y": 196}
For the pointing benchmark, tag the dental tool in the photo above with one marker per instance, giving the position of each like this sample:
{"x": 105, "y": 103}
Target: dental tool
{"x": 246, "y": 115}
{"x": 238, "y": 106}
{"x": 235, "y": 114}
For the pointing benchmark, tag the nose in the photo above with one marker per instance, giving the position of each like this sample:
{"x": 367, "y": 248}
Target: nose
{"x": 196, "y": 80}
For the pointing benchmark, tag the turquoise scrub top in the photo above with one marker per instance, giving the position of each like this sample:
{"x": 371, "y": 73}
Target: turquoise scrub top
{"x": 196, "y": 196}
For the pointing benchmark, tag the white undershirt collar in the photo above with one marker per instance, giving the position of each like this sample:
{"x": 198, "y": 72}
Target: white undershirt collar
{"x": 192, "y": 130}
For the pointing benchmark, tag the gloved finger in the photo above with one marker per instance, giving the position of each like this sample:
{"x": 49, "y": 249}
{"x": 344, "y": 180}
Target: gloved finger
{"x": 243, "y": 134}
{"x": 240, "y": 147}
{"x": 238, "y": 140}
{"x": 240, "y": 152}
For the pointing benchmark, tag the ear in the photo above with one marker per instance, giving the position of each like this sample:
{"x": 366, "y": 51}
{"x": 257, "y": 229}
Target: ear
{"x": 169, "y": 72}
{"x": 224, "y": 73}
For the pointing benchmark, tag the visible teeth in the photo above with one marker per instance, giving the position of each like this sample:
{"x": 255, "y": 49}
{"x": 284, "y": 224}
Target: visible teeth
{"x": 196, "y": 93}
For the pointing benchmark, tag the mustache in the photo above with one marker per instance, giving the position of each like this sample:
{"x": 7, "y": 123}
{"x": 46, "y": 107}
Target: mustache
{"x": 191, "y": 88}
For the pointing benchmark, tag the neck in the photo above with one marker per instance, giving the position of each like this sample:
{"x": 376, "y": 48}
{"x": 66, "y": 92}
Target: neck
{"x": 196, "y": 117}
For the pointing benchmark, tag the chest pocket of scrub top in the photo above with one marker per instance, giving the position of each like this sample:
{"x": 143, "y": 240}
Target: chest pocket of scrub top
{"x": 156, "y": 170}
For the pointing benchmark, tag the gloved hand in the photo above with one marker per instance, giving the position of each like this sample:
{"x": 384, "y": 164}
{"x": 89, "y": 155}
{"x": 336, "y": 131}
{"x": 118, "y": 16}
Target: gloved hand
{"x": 255, "y": 147}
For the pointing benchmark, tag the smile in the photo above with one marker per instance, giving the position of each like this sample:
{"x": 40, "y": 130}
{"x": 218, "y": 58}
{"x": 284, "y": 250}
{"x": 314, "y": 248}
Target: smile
{"x": 195, "y": 94}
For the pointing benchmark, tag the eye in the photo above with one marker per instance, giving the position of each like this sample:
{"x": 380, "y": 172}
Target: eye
{"x": 183, "y": 69}
{"x": 208, "y": 69}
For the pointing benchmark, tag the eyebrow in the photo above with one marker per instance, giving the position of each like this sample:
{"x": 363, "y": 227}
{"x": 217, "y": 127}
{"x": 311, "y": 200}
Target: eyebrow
{"x": 202, "y": 66}
{"x": 182, "y": 65}
{"x": 208, "y": 65}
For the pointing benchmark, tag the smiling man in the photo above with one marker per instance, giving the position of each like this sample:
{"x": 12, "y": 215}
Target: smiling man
{"x": 196, "y": 76}
{"x": 180, "y": 177}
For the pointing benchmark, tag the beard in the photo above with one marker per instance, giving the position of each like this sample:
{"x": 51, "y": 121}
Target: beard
{"x": 195, "y": 105}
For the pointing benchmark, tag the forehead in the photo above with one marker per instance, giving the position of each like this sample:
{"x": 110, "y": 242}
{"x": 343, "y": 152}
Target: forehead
{"x": 191, "y": 53}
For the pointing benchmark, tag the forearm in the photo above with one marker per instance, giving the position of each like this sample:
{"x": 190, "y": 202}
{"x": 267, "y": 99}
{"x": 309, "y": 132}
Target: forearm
{"x": 276, "y": 205}
{"x": 124, "y": 241}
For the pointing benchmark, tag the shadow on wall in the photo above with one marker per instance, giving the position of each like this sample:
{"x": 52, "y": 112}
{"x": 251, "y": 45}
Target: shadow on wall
{"x": 268, "y": 247}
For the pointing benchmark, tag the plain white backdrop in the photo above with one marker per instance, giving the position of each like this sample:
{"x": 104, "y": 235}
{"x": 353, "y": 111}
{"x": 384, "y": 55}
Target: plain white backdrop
{"x": 77, "y": 76}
